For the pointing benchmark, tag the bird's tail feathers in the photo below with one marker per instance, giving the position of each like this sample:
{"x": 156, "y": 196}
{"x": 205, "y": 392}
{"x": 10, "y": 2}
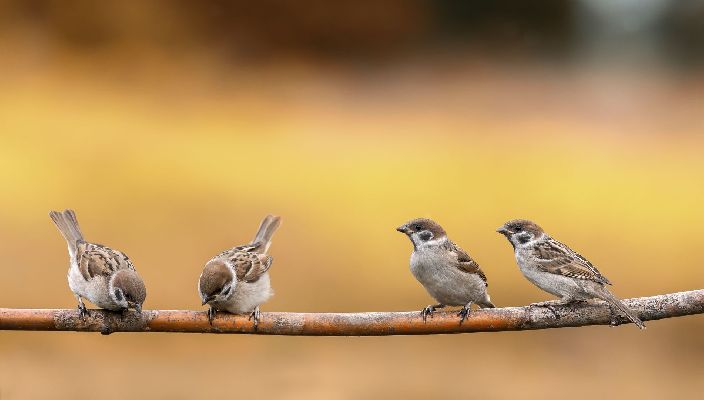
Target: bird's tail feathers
{"x": 67, "y": 224}
{"x": 614, "y": 301}
{"x": 486, "y": 304}
{"x": 266, "y": 230}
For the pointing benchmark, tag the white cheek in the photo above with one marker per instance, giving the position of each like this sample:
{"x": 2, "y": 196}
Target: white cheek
{"x": 518, "y": 243}
{"x": 529, "y": 243}
{"x": 433, "y": 242}
{"x": 418, "y": 240}
{"x": 121, "y": 303}
{"x": 224, "y": 296}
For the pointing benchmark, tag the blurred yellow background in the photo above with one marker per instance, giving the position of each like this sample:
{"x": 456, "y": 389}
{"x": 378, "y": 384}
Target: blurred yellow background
{"x": 172, "y": 129}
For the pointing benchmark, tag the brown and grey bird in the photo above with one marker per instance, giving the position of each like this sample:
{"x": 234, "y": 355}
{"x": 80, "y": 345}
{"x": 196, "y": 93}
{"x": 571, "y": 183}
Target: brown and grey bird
{"x": 446, "y": 271}
{"x": 104, "y": 276}
{"x": 237, "y": 280}
{"x": 557, "y": 269}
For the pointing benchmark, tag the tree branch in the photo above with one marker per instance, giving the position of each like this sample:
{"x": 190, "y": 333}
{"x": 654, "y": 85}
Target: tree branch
{"x": 354, "y": 324}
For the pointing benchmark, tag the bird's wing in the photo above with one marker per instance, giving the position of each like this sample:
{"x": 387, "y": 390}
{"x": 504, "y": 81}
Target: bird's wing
{"x": 98, "y": 260}
{"x": 229, "y": 253}
{"x": 249, "y": 267}
{"x": 556, "y": 258}
{"x": 465, "y": 262}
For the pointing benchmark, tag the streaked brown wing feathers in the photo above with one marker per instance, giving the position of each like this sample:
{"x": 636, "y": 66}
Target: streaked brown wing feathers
{"x": 466, "y": 263}
{"x": 249, "y": 267}
{"x": 557, "y": 258}
{"x": 98, "y": 260}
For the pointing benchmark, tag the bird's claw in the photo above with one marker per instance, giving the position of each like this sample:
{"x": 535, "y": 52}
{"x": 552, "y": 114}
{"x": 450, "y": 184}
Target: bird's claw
{"x": 427, "y": 311}
{"x": 211, "y": 315}
{"x": 255, "y": 316}
{"x": 464, "y": 313}
{"x": 82, "y": 311}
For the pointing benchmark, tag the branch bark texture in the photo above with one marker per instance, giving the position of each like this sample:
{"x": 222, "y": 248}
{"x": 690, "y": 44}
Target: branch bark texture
{"x": 354, "y": 324}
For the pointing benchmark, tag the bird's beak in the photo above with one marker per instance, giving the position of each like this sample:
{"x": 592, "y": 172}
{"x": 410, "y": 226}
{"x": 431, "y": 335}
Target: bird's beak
{"x": 502, "y": 230}
{"x": 403, "y": 229}
{"x": 204, "y": 302}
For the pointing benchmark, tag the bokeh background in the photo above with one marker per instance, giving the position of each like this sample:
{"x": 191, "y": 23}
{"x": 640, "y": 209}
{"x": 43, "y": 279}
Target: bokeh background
{"x": 173, "y": 127}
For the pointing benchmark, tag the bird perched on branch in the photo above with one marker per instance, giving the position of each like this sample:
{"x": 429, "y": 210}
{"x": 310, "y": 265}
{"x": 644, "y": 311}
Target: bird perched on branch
{"x": 557, "y": 269}
{"x": 104, "y": 276}
{"x": 237, "y": 280}
{"x": 446, "y": 271}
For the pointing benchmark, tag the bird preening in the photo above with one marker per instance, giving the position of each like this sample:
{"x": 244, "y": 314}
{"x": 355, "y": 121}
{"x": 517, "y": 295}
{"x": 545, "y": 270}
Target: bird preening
{"x": 237, "y": 280}
{"x": 98, "y": 273}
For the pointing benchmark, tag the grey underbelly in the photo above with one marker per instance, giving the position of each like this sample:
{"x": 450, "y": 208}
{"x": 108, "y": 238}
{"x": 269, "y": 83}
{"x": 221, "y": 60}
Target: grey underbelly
{"x": 247, "y": 296}
{"x": 95, "y": 290}
{"x": 450, "y": 286}
{"x": 560, "y": 286}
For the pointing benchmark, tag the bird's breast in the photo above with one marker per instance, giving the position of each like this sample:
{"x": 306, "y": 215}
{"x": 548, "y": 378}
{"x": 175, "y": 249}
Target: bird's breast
{"x": 425, "y": 264}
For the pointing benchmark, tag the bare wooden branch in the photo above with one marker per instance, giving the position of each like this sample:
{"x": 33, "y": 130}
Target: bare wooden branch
{"x": 354, "y": 324}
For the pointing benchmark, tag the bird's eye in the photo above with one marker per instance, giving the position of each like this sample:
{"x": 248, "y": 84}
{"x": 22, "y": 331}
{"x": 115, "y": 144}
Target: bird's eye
{"x": 517, "y": 228}
{"x": 418, "y": 228}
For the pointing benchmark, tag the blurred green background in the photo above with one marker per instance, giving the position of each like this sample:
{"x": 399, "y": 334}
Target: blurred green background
{"x": 173, "y": 127}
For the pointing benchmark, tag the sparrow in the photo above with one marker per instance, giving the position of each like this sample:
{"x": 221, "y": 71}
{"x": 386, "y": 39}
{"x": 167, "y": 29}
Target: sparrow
{"x": 106, "y": 277}
{"x": 446, "y": 271}
{"x": 237, "y": 280}
{"x": 557, "y": 269}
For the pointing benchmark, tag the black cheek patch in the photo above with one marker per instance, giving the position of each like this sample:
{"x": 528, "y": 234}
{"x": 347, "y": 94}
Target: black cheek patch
{"x": 118, "y": 295}
{"x": 425, "y": 236}
{"x": 523, "y": 238}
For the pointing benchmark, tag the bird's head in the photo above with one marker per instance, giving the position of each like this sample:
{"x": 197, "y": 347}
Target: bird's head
{"x": 216, "y": 282}
{"x": 127, "y": 289}
{"x": 422, "y": 230}
{"x": 520, "y": 232}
